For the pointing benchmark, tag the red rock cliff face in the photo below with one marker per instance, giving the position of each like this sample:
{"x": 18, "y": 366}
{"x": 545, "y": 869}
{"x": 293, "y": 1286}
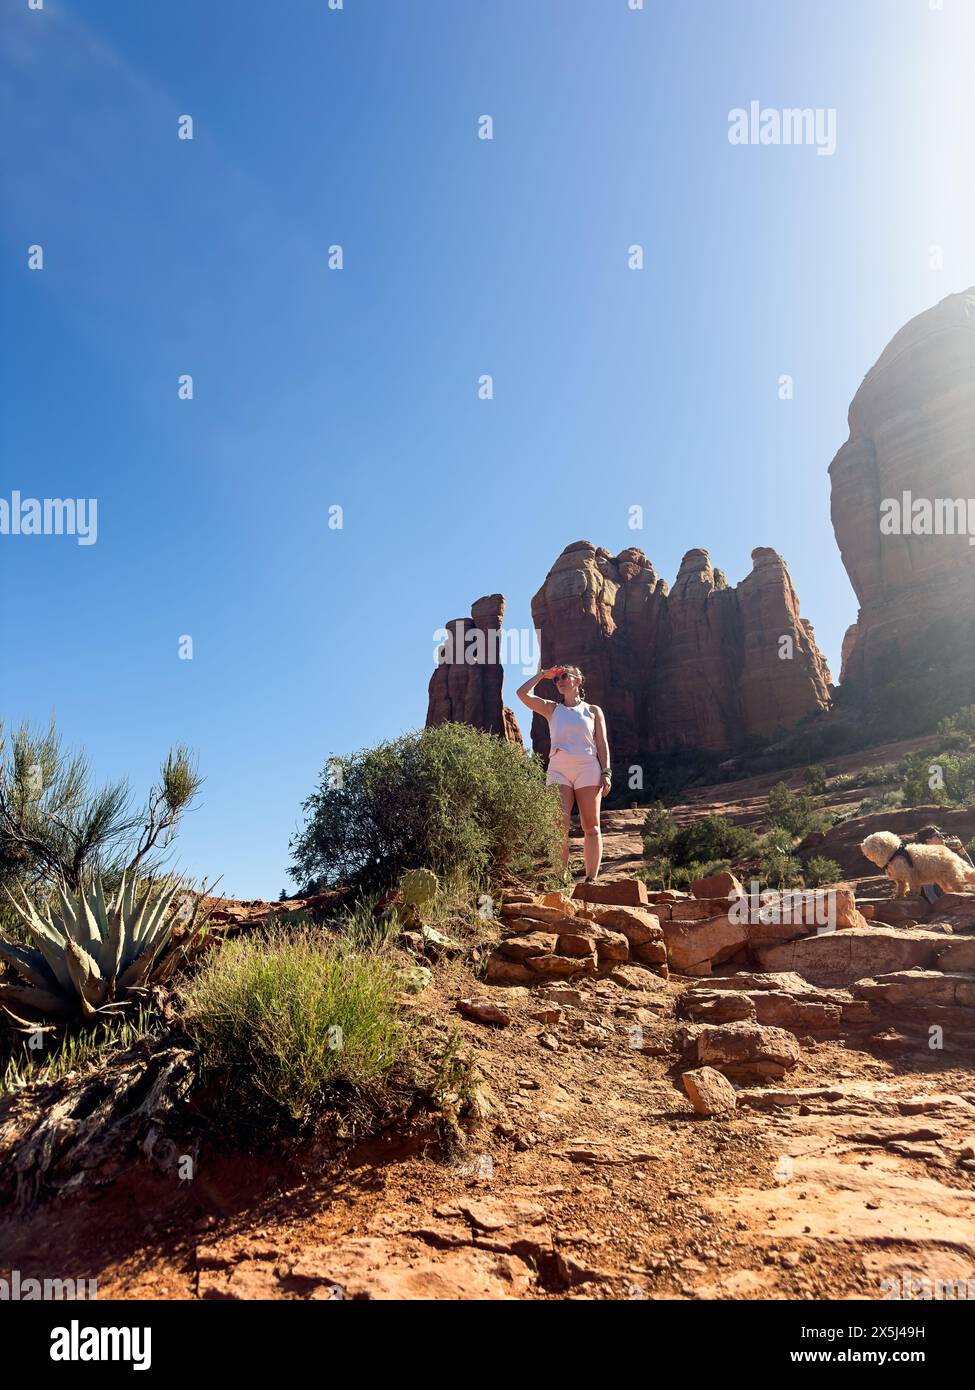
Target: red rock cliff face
{"x": 468, "y": 691}
{"x": 701, "y": 667}
{"x": 912, "y": 429}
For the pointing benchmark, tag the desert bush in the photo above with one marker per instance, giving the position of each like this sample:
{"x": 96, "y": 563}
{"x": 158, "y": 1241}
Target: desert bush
{"x": 777, "y": 869}
{"x": 285, "y": 1021}
{"x": 883, "y": 801}
{"x": 945, "y": 778}
{"x": 658, "y": 830}
{"x": 793, "y": 811}
{"x": 820, "y": 870}
{"x": 958, "y": 730}
{"x": 658, "y": 871}
{"x": 710, "y": 838}
{"x": 451, "y": 799}
{"x": 816, "y": 780}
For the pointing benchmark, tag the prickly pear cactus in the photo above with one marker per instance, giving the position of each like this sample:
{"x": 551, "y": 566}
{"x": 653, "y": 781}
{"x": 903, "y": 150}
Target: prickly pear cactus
{"x": 419, "y": 887}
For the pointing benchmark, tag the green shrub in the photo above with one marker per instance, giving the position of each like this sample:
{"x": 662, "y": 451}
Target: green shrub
{"x": 451, "y": 799}
{"x": 659, "y": 871}
{"x": 820, "y": 870}
{"x": 284, "y": 1021}
{"x": 779, "y": 870}
{"x": 659, "y": 827}
{"x": 884, "y": 801}
{"x": 816, "y": 780}
{"x": 947, "y": 779}
{"x": 958, "y": 730}
{"x": 711, "y": 838}
{"x": 793, "y": 811}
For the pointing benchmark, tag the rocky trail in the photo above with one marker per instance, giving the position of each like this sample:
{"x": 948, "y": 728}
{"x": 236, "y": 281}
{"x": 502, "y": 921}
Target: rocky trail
{"x": 847, "y": 1160}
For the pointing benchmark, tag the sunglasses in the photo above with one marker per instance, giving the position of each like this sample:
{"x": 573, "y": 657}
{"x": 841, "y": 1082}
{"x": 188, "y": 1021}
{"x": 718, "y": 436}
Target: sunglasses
{"x": 563, "y": 674}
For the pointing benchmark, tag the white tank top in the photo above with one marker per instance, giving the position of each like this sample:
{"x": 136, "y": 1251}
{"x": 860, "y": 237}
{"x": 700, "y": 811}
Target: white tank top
{"x": 573, "y": 729}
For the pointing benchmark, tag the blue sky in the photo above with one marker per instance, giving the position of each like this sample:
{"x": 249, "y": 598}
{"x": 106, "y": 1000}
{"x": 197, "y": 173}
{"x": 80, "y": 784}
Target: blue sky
{"x": 359, "y": 388}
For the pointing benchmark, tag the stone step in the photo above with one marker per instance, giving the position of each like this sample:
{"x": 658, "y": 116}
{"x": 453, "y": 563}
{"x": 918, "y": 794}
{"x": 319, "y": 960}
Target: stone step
{"x": 843, "y": 957}
{"x": 919, "y": 989}
{"x": 617, "y": 892}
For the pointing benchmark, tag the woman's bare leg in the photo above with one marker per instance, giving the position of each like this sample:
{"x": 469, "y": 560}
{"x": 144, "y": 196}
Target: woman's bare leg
{"x": 589, "y": 799}
{"x": 568, "y": 798}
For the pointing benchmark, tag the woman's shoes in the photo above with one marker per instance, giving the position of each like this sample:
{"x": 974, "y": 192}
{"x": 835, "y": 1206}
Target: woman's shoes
{"x": 589, "y": 879}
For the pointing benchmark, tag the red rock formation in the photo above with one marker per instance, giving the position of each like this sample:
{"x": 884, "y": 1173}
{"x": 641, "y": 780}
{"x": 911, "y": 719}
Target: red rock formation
{"x": 849, "y": 644}
{"x": 912, "y": 430}
{"x": 701, "y": 667}
{"x": 466, "y": 686}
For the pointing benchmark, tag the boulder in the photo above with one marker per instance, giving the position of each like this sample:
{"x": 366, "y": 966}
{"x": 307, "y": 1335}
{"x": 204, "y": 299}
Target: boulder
{"x": 620, "y": 892}
{"x": 957, "y": 954}
{"x": 918, "y": 988}
{"x": 698, "y": 909}
{"x": 781, "y": 915}
{"x": 635, "y": 923}
{"x": 651, "y": 953}
{"x": 483, "y": 1011}
{"x": 536, "y": 943}
{"x": 749, "y": 981}
{"x": 563, "y": 994}
{"x": 710, "y": 1093}
{"x": 747, "y": 1050}
{"x": 845, "y": 956}
{"x": 723, "y": 885}
{"x": 693, "y": 943}
{"x": 563, "y": 965}
{"x": 718, "y": 1006}
{"x": 507, "y": 972}
{"x": 560, "y": 900}
{"x": 787, "y": 1011}
{"x": 637, "y": 977}
{"x": 518, "y": 915}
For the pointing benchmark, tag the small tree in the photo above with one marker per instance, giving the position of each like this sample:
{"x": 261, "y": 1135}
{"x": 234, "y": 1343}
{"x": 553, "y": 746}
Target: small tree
{"x": 815, "y": 779}
{"x": 710, "y": 838}
{"x": 958, "y": 730}
{"x": 451, "y": 798}
{"x": 820, "y": 870}
{"x": 792, "y": 811}
{"x": 659, "y": 829}
{"x": 57, "y": 827}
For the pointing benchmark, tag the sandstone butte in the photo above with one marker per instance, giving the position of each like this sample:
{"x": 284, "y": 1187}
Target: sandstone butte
{"x": 699, "y": 667}
{"x": 469, "y": 691}
{"x": 912, "y": 430}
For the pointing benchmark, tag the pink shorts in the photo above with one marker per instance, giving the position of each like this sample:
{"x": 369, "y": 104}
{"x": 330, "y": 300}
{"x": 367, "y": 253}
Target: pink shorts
{"x": 573, "y": 770}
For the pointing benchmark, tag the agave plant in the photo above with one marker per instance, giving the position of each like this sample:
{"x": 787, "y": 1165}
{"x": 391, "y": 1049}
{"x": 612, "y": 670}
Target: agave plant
{"x": 90, "y": 956}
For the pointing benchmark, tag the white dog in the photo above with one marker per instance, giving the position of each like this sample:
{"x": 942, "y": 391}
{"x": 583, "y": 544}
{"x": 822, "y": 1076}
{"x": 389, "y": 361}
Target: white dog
{"x": 913, "y": 866}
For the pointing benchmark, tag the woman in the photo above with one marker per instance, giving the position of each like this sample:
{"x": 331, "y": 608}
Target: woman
{"x": 579, "y": 758}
